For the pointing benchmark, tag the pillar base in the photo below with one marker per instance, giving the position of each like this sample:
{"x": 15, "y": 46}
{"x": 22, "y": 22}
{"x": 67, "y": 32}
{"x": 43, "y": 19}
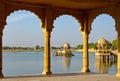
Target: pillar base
{"x": 118, "y": 74}
{"x": 85, "y": 70}
{"x": 1, "y": 75}
{"x": 46, "y": 73}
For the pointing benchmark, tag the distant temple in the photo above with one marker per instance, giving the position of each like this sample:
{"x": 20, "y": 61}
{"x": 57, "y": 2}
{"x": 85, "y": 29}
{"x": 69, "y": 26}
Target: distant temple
{"x": 103, "y": 52}
{"x": 64, "y": 51}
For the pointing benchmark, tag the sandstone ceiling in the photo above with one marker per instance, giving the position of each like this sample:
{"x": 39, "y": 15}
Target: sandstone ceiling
{"x": 75, "y": 4}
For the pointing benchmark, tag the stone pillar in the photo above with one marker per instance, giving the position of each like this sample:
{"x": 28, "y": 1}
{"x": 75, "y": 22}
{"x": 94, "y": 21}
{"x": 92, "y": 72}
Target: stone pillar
{"x": 2, "y": 24}
{"x": 1, "y": 75}
{"x": 46, "y": 52}
{"x": 101, "y": 57}
{"x": 106, "y": 58}
{"x": 117, "y": 25}
{"x": 109, "y": 57}
{"x": 118, "y": 56}
{"x": 85, "y": 54}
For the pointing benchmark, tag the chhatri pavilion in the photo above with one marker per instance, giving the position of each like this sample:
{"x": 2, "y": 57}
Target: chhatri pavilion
{"x": 84, "y": 11}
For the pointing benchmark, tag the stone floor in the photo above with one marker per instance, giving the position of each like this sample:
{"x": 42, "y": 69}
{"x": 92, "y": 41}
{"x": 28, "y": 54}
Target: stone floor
{"x": 65, "y": 77}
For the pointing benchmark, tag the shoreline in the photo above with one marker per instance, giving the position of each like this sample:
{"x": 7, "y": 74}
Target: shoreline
{"x": 42, "y": 50}
{"x": 20, "y": 51}
{"x": 88, "y": 50}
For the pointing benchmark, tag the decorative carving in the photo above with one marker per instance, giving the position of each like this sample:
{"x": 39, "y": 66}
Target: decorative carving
{"x": 60, "y": 12}
{"x": 39, "y": 12}
{"x": 111, "y": 11}
{"x": 48, "y": 19}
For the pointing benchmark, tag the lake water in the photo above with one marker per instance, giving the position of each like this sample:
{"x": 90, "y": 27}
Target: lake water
{"x": 31, "y": 63}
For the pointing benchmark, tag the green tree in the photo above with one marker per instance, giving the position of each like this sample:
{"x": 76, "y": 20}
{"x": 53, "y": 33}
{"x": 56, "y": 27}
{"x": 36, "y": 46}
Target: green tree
{"x": 115, "y": 43}
{"x": 37, "y": 47}
{"x": 80, "y": 46}
{"x": 6, "y": 48}
{"x": 95, "y": 46}
{"x": 109, "y": 44}
{"x": 91, "y": 45}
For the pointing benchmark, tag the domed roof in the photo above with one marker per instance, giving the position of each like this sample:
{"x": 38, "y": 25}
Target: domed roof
{"x": 102, "y": 41}
{"x": 66, "y": 45}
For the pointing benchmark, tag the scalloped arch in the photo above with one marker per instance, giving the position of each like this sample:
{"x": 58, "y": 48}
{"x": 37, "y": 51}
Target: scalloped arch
{"x": 97, "y": 15}
{"x": 60, "y": 15}
{"x": 101, "y": 14}
{"x": 20, "y": 10}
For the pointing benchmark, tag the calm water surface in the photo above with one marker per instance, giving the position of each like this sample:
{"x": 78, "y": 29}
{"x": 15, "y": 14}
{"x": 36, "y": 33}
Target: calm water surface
{"x": 29, "y": 63}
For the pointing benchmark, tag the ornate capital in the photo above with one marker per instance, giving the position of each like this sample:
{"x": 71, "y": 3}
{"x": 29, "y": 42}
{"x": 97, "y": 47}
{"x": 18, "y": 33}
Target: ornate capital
{"x": 86, "y": 25}
{"x": 85, "y": 35}
{"x": 47, "y": 33}
{"x": 48, "y": 20}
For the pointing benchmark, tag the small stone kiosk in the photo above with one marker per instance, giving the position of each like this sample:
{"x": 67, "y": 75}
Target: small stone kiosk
{"x": 64, "y": 51}
{"x": 103, "y": 52}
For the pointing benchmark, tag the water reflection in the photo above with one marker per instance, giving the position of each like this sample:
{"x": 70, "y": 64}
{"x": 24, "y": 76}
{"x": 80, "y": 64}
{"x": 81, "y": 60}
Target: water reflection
{"x": 25, "y": 63}
{"x": 102, "y": 66}
{"x": 66, "y": 62}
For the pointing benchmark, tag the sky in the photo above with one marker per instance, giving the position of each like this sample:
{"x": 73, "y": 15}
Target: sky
{"x": 23, "y": 29}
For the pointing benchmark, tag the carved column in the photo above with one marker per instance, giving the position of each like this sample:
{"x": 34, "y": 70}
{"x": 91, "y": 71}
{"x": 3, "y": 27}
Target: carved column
{"x": 46, "y": 52}
{"x": 85, "y": 33}
{"x": 118, "y": 56}
{"x": 117, "y": 19}
{"x": 47, "y": 28}
{"x": 2, "y": 24}
{"x": 85, "y": 54}
{"x": 1, "y": 30}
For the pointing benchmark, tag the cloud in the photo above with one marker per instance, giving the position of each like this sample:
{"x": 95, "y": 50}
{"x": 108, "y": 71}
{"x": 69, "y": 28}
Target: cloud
{"x": 18, "y": 17}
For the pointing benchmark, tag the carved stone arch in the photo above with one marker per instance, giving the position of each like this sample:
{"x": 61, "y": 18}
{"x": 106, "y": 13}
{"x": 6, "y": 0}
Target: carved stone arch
{"x": 101, "y": 14}
{"x": 38, "y": 12}
{"x": 91, "y": 17}
{"x": 62, "y": 14}
{"x": 9, "y": 13}
{"x": 113, "y": 12}
{"x": 94, "y": 15}
{"x": 79, "y": 18}
{"x": 116, "y": 16}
